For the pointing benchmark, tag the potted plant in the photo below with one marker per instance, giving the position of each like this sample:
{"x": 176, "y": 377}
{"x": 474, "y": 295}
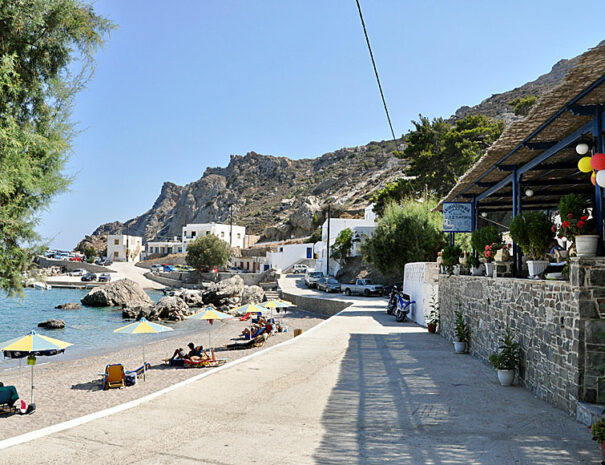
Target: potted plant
{"x": 486, "y": 241}
{"x": 576, "y": 225}
{"x": 533, "y": 232}
{"x": 598, "y": 434}
{"x": 432, "y": 317}
{"x": 506, "y": 359}
{"x": 475, "y": 265}
{"x": 462, "y": 334}
{"x": 489, "y": 252}
{"x": 450, "y": 257}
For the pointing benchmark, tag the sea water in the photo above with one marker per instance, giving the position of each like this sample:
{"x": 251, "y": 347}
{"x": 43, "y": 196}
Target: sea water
{"x": 89, "y": 329}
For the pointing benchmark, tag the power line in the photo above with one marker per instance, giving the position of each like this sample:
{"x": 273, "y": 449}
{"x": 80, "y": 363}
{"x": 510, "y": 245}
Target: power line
{"x": 384, "y": 102}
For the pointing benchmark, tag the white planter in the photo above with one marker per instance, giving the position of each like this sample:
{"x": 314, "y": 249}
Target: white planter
{"x": 459, "y": 347}
{"x": 477, "y": 271}
{"x": 506, "y": 377}
{"x": 536, "y": 267}
{"x": 457, "y": 270}
{"x": 489, "y": 269}
{"x": 586, "y": 246}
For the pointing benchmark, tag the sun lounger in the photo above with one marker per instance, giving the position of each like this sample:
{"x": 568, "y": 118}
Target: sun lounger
{"x": 8, "y": 397}
{"x": 256, "y": 333}
{"x": 114, "y": 376}
{"x": 258, "y": 341}
{"x": 245, "y": 317}
{"x": 204, "y": 363}
{"x": 132, "y": 375}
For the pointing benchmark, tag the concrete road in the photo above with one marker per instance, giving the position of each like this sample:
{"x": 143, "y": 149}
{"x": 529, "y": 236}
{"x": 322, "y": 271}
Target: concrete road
{"x": 360, "y": 389}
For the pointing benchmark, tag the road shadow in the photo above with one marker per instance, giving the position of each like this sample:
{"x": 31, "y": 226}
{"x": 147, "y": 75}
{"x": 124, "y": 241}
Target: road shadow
{"x": 406, "y": 398}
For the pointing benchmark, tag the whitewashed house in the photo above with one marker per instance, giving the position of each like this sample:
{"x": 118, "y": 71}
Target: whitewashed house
{"x": 173, "y": 246}
{"x": 233, "y": 235}
{"x": 288, "y": 255}
{"x": 124, "y": 248}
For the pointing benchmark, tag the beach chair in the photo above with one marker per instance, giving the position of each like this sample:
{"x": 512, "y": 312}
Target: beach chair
{"x": 256, "y": 333}
{"x": 114, "y": 376}
{"x": 132, "y": 375}
{"x": 8, "y": 397}
{"x": 205, "y": 363}
{"x": 245, "y": 317}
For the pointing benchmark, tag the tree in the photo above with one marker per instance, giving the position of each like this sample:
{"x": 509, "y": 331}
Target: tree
{"x": 208, "y": 252}
{"x": 342, "y": 244}
{"x": 522, "y": 105}
{"x": 90, "y": 253}
{"x": 40, "y": 41}
{"x": 439, "y": 153}
{"x": 407, "y": 232}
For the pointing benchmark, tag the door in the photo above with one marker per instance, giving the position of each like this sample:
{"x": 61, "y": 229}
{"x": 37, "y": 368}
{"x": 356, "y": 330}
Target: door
{"x": 309, "y": 252}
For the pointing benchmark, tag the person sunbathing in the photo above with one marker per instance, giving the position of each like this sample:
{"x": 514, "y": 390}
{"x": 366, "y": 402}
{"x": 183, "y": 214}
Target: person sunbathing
{"x": 180, "y": 354}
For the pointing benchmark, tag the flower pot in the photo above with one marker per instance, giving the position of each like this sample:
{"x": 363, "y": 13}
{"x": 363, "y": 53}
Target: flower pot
{"x": 586, "y": 246}
{"x": 489, "y": 269}
{"x": 506, "y": 377}
{"x": 459, "y": 347}
{"x": 457, "y": 270}
{"x": 462, "y": 260}
{"x": 536, "y": 267}
{"x": 477, "y": 271}
{"x": 431, "y": 327}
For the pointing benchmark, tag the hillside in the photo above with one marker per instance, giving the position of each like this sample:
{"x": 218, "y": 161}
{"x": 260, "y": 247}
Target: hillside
{"x": 279, "y": 198}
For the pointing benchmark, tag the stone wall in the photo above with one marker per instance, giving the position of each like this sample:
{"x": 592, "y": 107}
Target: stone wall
{"x": 545, "y": 318}
{"x": 67, "y": 266}
{"x": 327, "y": 307}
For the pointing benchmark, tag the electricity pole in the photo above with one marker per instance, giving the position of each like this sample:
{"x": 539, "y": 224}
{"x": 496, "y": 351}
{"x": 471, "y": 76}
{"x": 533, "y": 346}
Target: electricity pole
{"x": 230, "y": 227}
{"x": 328, "y": 245}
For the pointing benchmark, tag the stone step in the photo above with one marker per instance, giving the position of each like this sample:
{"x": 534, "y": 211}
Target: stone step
{"x": 588, "y": 414}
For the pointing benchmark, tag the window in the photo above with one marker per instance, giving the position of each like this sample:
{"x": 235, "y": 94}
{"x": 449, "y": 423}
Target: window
{"x": 116, "y": 241}
{"x": 281, "y": 249}
{"x": 180, "y": 250}
{"x": 207, "y": 232}
{"x": 239, "y": 236}
{"x": 192, "y": 233}
{"x": 115, "y": 255}
{"x": 222, "y": 233}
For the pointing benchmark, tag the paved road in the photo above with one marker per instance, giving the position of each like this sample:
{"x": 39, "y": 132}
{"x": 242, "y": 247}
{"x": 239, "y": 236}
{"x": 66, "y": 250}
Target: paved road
{"x": 360, "y": 389}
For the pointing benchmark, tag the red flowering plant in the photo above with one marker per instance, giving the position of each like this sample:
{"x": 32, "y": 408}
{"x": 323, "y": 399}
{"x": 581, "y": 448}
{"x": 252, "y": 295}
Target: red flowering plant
{"x": 571, "y": 226}
{"x": 491, "y": 249}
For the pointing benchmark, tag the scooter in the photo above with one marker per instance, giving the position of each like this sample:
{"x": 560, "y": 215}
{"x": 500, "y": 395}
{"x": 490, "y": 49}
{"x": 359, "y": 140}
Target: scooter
{"x": 392, "y": 305}
{"x": 403, "y": 307}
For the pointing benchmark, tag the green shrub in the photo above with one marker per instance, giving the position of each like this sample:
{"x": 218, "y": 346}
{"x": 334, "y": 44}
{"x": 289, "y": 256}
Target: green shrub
{"x": 572, "y": 203}
{"x": 473, "y": 261}
{"x": 508, "y": 355}
{"x": 533, "y": 232}
{"x": 462, "y": 331}
{"x": 485, "y": 236}
{"x": 208, "y": 252}
{"x": 450, "y": 256}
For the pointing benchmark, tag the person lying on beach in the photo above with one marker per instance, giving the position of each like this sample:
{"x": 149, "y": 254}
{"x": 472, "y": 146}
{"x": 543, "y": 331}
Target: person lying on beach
{"x": 180, "y": 354}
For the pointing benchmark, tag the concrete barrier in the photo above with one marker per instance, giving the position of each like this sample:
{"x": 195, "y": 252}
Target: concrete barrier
{"x": 44, "y": 262}
{"x": 327, "y": 307}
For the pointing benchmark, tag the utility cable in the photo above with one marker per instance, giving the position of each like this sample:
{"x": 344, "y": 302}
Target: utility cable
{"x": 384, "y": 102}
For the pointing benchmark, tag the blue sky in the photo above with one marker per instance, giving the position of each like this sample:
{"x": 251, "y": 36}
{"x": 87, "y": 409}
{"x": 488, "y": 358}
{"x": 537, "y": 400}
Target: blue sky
{"x": 182, "y": 85}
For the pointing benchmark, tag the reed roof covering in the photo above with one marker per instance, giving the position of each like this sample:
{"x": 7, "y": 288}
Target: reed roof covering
{"x": 589, "y": 69}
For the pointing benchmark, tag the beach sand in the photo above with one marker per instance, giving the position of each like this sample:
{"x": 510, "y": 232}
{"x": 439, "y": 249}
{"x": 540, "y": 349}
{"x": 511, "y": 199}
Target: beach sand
{"x": 72, "y": 388}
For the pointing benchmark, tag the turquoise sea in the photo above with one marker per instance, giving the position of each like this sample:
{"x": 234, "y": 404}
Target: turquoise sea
{"x": 89, "y": 329}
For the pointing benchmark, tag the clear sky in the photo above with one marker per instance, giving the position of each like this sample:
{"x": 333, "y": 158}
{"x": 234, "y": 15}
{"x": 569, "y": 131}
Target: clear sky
{"x": 182, "y": 85}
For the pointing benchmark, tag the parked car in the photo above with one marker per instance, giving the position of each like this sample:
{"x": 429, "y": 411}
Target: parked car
{"x": 362, "y": 287}
{"x": 328, "y": 284}
{"x": 89, "y": 277}
{"x": 157, "y": 268}
{"x": 75, "y": 259}
{"x": 104, "y": 278}
{"x": 299, "y": 268}
{"x": 78, "y": 272}
{"x": 236, "y": 269}
{"x": 311, "y": 278}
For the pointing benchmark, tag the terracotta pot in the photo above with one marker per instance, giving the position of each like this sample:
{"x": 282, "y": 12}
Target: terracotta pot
{"x": 432, "y": 328}
{"x": 603, "y": 452}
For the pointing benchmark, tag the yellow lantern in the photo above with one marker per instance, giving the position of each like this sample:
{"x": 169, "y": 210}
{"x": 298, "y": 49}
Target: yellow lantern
{"x": 584, "y": 165}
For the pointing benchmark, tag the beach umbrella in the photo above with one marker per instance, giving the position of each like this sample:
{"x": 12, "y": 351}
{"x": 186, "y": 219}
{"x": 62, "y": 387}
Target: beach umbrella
{"x": 249, "y": 308}
{"x": 210, "y": 314}
{"x": 276, "y": 303}
{"x": 143, "y": 327}
{"x": 32, "y": 345}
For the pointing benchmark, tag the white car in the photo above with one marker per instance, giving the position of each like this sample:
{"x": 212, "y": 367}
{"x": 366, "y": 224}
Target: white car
{"x": 78, "y": 272}
{"x": 299, "y": 268}
{"x": 157, "y": 268}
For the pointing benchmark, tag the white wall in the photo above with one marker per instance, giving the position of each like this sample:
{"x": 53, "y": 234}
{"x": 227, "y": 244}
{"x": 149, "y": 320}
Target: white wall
{"x": 288, "y": 255}
{"x": 163, "y": 247}
{"x": 117, "y": 245}
{"x": 193, "y": 231}
{"x": 420, "y": 282}
{"x": 360, "y": 226}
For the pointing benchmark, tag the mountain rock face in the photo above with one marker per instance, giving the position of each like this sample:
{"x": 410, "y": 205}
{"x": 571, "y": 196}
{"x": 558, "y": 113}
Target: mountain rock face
{"x": 272, "y": 196}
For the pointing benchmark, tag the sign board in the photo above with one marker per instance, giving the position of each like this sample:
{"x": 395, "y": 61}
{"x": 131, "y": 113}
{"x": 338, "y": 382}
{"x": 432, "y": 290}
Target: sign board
{"x": 457, "y": 217}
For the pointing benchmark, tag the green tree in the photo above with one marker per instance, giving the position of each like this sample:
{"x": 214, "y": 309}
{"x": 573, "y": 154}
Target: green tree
{"x": 439, "y": 154}
{"x": 342, "y": 244}
{"x": 46, "y": 56}
{"x": 90, "y": 253}
{"x": 208, "y": 252}
{"x": 407, "y": 232}
{"x": 522, "y": 105}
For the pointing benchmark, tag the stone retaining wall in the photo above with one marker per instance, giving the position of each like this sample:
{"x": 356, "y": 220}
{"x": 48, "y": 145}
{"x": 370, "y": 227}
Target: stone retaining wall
{"x": 44, "y": 262}
{"x": 327, "y": 307}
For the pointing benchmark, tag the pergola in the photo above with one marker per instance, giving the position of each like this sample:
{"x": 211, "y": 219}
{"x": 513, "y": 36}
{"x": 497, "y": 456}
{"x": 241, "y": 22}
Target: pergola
{"x": 537, "y": 155}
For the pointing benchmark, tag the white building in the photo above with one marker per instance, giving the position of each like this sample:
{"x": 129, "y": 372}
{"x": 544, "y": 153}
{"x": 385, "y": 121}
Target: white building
{"x": 288, "y": 255}
{"x": 251, "y": 264}
{"x": 164, "y": 247}
{"x": 123, "y": 248}
{"x": 233, "y": 235}
{"x": 360, "y": 228}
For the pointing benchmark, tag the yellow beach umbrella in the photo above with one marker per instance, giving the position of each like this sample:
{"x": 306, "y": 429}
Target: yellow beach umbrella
{"x": 210, "y": 314}
{"x": 32, "y": 345}
{"x": 143, "y": 326}
{"x": 276, "y": 303}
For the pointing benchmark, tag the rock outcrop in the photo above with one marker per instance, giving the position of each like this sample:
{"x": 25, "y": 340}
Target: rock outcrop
{"x": 252, "y": 294}
{"x": 171, "y": 308}
{"x": 225, "y": 293}
{"x": 192, "y": 298}
{"x": 52, "y": 324}
{"x": 124, "y": 292}
{"x": 69, "y": 306}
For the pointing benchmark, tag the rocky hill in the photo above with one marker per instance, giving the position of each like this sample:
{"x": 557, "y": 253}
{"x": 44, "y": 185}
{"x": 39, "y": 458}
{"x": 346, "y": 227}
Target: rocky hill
{"x": 279, "y": 198}
{"x": 274, "y": 197}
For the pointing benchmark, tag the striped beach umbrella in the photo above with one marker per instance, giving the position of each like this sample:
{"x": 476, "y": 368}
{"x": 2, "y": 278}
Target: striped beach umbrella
{"x": 32, "y": 345}
{"x": 210, "y": 314}
{"x": 143, "y": 326}
{"x": 276, "y": 303}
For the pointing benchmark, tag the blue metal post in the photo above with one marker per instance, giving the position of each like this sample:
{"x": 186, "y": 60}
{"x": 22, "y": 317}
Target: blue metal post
{"x": 598, "y": 207}
{"x": 516, "y": 210}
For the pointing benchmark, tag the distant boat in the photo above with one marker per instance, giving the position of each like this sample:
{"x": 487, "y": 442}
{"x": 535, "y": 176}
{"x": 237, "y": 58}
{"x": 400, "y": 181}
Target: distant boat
{"x": 40, "y": 285}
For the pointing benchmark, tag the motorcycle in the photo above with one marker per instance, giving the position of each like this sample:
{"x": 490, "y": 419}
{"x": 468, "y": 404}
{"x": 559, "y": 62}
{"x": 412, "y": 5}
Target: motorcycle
{"x": 392, "y": 305}
{"x": 403, "y": 307}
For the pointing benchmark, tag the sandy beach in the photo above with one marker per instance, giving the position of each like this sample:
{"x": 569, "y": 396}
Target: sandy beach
{"x": 72, "y": 388}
